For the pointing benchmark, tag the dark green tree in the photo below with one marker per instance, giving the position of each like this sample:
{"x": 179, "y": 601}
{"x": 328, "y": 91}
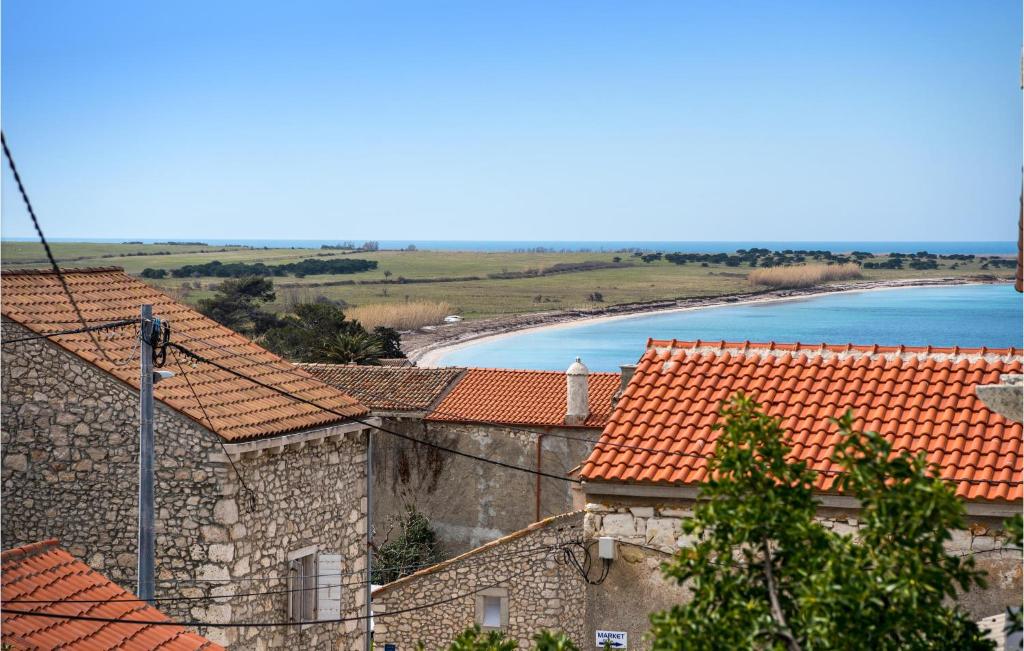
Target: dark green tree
{"x": 390, "y": 341}
{"x": 238, "y": 302}
{"x": 766, "y": 575}
{"x": 414, "y": 547}
{"x": 359, "y": 347}
{"x": 474, "y": 639}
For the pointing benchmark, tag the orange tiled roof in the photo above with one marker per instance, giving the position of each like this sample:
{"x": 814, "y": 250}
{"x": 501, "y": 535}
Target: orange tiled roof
{"x": 238, "y": 409}
{"x": 921, "y": 399}
{"x": 386, "y": 388}
{"x": 522, "y": 398}
{"x": 45, "y": 571}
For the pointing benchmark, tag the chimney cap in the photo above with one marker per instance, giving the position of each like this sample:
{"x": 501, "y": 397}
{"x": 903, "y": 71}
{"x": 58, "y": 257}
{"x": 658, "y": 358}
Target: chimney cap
{"x": 577, "y": 368}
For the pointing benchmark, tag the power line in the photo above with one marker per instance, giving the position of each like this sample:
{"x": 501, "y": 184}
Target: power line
{"x": 209, "y": 423}
{"x": 515, "y": 555}
{"x": 355, "y": 419}
{"x": 74, "y": 331}
{"x": 197, "y": 624}
{"x": 46, "y": 246}
{"x": 597, "y": 442}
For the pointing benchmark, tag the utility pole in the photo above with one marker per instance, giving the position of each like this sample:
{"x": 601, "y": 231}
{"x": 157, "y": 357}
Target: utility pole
{"x": 369, "y": 539}
{"x": 147, "y": 518}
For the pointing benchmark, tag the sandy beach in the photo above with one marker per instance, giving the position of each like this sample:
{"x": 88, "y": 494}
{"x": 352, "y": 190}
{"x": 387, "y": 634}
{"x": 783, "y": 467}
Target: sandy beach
{"x": 428, "y": 348}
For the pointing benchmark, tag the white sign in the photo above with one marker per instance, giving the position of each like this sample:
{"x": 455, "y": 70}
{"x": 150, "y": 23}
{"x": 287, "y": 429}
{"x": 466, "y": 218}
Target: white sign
{"x": 614, "y": 639}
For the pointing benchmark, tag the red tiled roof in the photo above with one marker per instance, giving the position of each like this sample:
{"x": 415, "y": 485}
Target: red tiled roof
{"x": 386, "y": 388}
{"x": 238, "y": 409}
{"x": 920, "y": 399}
{"x": 45, "y": 571}
{"x": 522, "y": 398}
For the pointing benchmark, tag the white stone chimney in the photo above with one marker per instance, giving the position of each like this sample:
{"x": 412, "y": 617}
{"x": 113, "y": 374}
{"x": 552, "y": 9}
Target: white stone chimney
{"x": 577, "y": 403}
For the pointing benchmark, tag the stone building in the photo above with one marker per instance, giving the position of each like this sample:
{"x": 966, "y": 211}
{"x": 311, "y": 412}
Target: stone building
{"x": 923, "y": 400}
{"x": 518, "y": 584}
{"x": 42, "y": 571}
{"x": 257, "y": 495}
{"x": 542, "y": 420}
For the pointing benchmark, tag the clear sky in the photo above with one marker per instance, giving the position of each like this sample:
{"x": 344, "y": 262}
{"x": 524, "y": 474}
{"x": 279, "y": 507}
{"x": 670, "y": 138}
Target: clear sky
{"x": 595, "y": 120}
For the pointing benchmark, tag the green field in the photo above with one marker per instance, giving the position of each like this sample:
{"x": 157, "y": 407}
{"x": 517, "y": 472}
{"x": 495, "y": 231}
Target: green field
{"x": 482, "y": 297}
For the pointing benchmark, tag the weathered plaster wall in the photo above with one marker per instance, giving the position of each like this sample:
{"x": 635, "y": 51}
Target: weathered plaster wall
{"x": 658, "y": 525}
{"x": 70, "y": 471}
{"x": 468, "y": 502}
{"x": 543, "y": 591}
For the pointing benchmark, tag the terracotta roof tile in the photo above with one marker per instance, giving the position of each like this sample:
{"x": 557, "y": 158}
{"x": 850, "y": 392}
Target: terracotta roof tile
{"x": 238, "y": 409}
{"x": 522, "y": 398}
{"x": 43, "y": 571}
{"x": 384, "y": 388}
{"x": 920, "y": 399}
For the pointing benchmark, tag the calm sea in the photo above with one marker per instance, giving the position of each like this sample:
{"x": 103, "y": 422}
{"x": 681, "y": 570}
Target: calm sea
{"x": 984, "y": 248}
{"x": 968, "y": 316}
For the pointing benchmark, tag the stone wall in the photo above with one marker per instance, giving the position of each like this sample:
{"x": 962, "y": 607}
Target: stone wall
{"x": 466, "y": 501}
{"x": 70, "y": 466}
{"x": 658, "y": 526}
{"x": 70, "y": 471}
{"x": 294, "y": 498}
{"x": 543, "y": 591}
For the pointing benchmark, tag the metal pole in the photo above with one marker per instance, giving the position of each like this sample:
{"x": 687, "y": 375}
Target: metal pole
{"x": 369, "y": 537}
{"x": 147, "y": 519}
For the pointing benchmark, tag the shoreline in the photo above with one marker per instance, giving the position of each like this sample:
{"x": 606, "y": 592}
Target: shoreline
{"x": 429, "y": 348}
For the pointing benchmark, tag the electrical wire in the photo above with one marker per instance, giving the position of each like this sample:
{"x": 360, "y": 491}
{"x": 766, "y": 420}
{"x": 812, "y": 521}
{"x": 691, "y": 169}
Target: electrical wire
{"x": 46, "y": 247}
{"x": 361, "y": 421}
{"x": 252, "y": 502}
{"x": 74, "y": 331}
{"x": 197, "y": 624}
{"x": 514, "y": 556}
{"x": 227, "y": 581}
{"x": 597, "y": 442}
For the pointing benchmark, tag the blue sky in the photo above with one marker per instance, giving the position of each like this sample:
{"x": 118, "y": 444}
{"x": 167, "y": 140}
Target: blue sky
{"x": 518, "y": 120}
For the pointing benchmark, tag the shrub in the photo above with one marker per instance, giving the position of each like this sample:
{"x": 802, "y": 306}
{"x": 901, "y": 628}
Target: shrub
{"x": 401, "y": 316}
{"x": 413, "y": 548}
{"x": 804, "y": 275}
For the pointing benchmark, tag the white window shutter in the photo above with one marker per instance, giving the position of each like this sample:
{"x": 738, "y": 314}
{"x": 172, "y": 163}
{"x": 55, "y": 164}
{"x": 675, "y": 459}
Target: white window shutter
{"x": 294, "y": 585}
{"x": 329, "y": 587}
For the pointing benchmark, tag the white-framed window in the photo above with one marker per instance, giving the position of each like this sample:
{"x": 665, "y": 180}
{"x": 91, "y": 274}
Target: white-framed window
{"x": 492, "y": 608}
{"x": 314, "y": 585}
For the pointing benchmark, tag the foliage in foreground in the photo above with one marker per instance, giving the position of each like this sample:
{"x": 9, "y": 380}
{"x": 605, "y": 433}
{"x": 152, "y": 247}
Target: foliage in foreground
{"x": 473, "y": 639}
{"x": 766, "y": 575}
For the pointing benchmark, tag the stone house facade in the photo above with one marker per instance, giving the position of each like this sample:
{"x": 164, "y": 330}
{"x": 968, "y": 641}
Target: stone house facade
{"x": 517, "y": 417}
{"x": 257, "y": 497}
{"x": 518, "y": 584}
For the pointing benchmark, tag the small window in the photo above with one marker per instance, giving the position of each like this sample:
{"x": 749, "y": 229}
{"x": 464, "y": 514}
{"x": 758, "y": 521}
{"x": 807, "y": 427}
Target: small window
{"x": 492, "y": 608}
{"x": 492, "y": 612}
{"x": 314, "y": 585}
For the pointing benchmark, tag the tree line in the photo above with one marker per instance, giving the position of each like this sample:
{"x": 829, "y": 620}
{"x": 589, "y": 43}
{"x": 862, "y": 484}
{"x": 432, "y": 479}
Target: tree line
{"x": 308, "y": 267}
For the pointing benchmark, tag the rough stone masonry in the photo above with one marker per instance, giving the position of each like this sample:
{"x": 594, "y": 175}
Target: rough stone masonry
{"x": 70, "y": 471}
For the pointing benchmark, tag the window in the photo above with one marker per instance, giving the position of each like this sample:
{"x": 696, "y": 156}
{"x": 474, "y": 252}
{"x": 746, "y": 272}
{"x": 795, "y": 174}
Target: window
{"x": 492, "y": 608}
{"x": 314, "y": 585}
{"x": 492, "y": 612}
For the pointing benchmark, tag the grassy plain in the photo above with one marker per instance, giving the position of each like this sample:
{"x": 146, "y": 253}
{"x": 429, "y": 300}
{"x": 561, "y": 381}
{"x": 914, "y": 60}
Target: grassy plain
{"x": 477, "y": 298}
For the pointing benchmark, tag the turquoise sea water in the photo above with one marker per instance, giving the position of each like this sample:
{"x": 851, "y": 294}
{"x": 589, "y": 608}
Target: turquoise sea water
{"x": 968, "y": 316}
